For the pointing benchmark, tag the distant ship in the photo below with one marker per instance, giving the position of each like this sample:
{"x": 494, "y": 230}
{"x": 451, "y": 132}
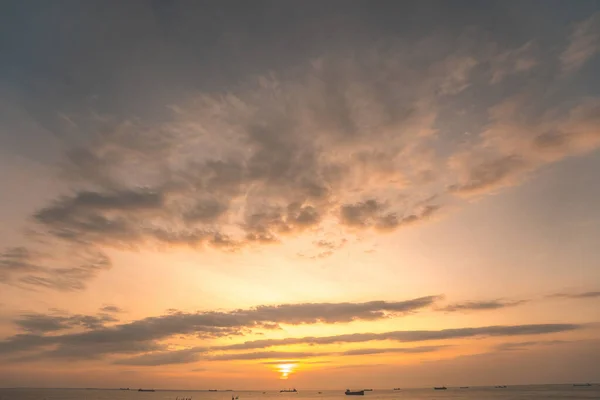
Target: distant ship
{"x": 357, "y": 393}
{"x": 582, "y": 384}
{"x": 397, "y": 389}
{"x": 440, "y": 388}
{"x": 368, "y": 390}
{"x": 145, "y": 390}
{"x": 501, "y": 387}
{"x": 288, "y": 391}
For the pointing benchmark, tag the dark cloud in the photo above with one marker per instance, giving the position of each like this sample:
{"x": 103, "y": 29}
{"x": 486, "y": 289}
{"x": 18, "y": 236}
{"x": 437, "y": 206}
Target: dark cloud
{"x": 210, "y": 324}
{"x": 481, "y": 305}
{"x": 111, "y": 309}
{"x": 373, "y": 213}
{"x": 582, "y": 295}
{"x": 42, "y": 323}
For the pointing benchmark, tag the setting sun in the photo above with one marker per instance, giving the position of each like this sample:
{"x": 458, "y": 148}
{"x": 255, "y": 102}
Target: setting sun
{"x": 285, "y": 370}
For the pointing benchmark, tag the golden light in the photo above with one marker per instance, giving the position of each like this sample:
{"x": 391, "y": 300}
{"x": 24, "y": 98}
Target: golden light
{"x": 285, "y": 370}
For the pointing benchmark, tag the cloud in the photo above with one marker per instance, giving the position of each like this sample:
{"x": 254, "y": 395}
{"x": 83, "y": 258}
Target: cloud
{"x": 372, "y": 213}
{"x": 23, "y": 267}
{"x": 481, "y": 305}
{"x": 204, "y": 353}
{"x": 513, "y": 61}
{"x": 42, "y": 323}
{"x": 584, "y": 43}
{"x": 111, "y": 309}
{"x": 351, "y": 140}
{"x": 581, "y": 295}
{"x": 196, "y": 354}
{"x": 392, "y": 350}
{"x": 518, "y": 346}
{"x": 211, "y": 324}
{"x": 411, "y": 336}
{"x": 514, "y": 145}
{"x": 294, "y": 362}
{"x": 163, "y": 358}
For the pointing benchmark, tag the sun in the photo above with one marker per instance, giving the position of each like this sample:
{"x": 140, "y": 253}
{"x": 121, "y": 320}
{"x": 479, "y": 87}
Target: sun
{"x": 285, "y": 370}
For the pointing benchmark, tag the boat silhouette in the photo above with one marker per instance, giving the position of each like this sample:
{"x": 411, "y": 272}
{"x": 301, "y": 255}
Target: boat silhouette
{"x": 440, "y": 388}
{"x": 348, "y": 392}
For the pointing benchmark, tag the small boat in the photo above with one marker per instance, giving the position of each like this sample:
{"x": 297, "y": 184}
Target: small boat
{"x": 397, "y": 389}
{"x": 319, "y": 392}
{"x": 582, "y": 384}
{"x": 501, "y": 387}
{"x": 368, "y": 390}
{"x": 440, "y": 388}
{"x": 288, "y": 391}
{"x": 145, "y": 390}
{"x": 356, "y": 393}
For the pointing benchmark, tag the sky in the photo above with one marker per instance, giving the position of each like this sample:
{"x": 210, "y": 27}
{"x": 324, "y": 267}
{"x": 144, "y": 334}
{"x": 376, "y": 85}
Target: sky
{"x": 268, "y": 194}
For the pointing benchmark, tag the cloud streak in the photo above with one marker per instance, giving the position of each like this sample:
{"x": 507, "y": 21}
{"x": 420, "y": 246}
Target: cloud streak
{"x": 481, "y": 305}
{"x": 212, "y": 324}
{"x": 584, "y": 43}
{"x": 203, "y": 353}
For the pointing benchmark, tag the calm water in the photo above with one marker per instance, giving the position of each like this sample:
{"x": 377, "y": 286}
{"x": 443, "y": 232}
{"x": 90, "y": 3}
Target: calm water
{"x": 539, "y": 392}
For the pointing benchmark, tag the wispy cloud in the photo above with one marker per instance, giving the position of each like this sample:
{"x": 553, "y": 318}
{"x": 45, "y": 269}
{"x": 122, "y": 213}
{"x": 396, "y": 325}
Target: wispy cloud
{"x": 577, "y": 295}
{"x": 584, "y": 43}
{"x": 193, "y": 355}
{"x": 519, "y": 346}
{"x": 481, "y": 305}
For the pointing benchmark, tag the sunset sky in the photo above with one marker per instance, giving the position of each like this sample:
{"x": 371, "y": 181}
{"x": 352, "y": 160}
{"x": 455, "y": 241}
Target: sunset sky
{"x": 311, "y": 194}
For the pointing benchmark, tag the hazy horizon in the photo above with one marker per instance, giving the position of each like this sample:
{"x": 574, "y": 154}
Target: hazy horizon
{"x": 297, "y": 194}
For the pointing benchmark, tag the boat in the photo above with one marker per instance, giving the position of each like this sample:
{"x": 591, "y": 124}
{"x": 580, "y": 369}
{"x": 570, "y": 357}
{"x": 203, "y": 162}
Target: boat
{"x": 440, "y": 388}
{"x": 368, "y": 390}
{"x": 288, "y": 391}
{"x": 145, "y": 390}
{"x": 582, "y": 384}
{"x": 397, "y": 389}
{"x": 356, "y": 393}
{"x": 501, "y": 387}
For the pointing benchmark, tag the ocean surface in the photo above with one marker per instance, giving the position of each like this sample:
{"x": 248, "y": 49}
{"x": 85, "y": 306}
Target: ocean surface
{"x": 537, "y": 392}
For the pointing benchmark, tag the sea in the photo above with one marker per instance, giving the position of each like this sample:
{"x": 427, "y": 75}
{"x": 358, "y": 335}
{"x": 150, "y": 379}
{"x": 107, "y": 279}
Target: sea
{"x": 532, "y": 392}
